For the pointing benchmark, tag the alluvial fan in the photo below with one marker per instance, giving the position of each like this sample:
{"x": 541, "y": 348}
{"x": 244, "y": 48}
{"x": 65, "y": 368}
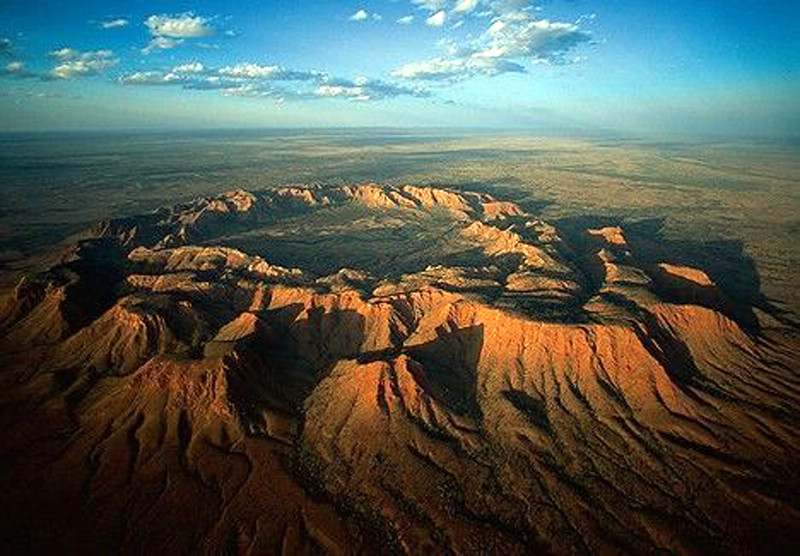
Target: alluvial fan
{"x": 361, "y": 368}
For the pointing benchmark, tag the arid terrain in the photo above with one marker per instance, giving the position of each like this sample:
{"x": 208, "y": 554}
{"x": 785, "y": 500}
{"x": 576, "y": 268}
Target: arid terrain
{"x": 729, "y": 207}
{"x": 369, "y": 366}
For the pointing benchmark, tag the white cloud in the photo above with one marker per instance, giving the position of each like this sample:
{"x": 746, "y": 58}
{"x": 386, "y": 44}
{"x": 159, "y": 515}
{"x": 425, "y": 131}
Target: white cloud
{"x": 73, "y": 63}
{"x": 69, "y": 64}
{"x": 181, "y": 26}
{"x": 455, "y": 69}
{"x": 169, "y": 31}
{"x": 15, "y": 67}
{"x": 506, "y": 7}
{"x": 430, "y": 5}
{"x": 208, "y": 83}
{"x": 465, "y": 6}
{"x": 364, "y": 89}
{"x": 363, "y": 15}
{"x": 114, "y": 23}
{"x": 151, "y": 78}
{"x": 161, "y": 43}
{"x": 407, "y": 20}
{"x": 541, "y": 41}
{"x": 437, "y": 19}
{"x": 438, "y": 68}
{"x": 266, "y": 91}
{"x": 65, "y": 53}
{"x": 256, "y": 80}
{"x": 249, "y": 71}
{"x": 193, "y": 67}
{"x": 511, "y": 39}
{"x": 493, "y": 8}
{"x": 246, "y": 90}
{"x": 335, "y": 90}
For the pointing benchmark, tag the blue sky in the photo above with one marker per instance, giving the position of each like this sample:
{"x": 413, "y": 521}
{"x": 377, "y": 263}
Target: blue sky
{"x": 681, "y": 67}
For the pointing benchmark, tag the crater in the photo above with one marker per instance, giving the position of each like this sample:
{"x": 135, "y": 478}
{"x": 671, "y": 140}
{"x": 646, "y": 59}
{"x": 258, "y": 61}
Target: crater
{"x": 346, "y": 368}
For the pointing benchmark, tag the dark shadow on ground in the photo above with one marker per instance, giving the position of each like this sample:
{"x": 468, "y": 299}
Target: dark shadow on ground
{"x": 724, "y": 261}
{"x": 451, "y": 367}
{"x": 278, "y": 367}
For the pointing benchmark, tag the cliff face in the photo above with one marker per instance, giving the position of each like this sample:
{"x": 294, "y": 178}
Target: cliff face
{"x": 164, "y": 389}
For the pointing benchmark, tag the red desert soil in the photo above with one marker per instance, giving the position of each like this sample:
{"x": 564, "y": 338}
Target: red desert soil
{"x": 499, "y": 387}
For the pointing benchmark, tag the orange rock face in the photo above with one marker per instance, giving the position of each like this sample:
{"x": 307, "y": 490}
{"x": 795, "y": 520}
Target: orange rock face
{"x": 166, "y": 390}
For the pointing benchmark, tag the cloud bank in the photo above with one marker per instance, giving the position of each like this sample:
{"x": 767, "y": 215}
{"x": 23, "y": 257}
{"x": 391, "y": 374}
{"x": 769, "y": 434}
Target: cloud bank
{"x": 73, "y": 63}
{"x": 514, "y": 40}
{"x": 272, "y": 81}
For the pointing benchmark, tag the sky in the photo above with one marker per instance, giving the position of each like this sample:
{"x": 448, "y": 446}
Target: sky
{"x": 686, "y": 67}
